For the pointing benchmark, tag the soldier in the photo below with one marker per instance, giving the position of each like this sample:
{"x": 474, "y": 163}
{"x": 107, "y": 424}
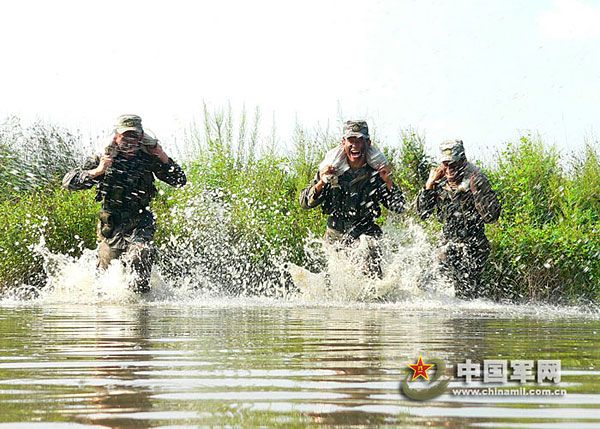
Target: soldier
{"x": 124, "y": 177}
{"x": 464, "y": 201}
{"x": 352, "y": 197}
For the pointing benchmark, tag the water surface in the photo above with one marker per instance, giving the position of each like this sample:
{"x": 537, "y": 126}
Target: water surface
{"x": 278, "y": 363}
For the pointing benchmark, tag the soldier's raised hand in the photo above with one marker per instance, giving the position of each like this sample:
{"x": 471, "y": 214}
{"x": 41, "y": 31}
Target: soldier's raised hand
{"x": 327, "y": 174}
{"x": 474, "y": 183}
{"x": 435, "y": 175}
{"x": 385, "y": 172}
{"x": 105, "y": 162}
{"x": 158, "y": 152}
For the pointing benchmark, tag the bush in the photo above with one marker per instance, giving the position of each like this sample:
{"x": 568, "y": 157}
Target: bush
{"x": 547, "y": 242}
{"x": 238, "y": 220}
{"x": 66, "y": 220}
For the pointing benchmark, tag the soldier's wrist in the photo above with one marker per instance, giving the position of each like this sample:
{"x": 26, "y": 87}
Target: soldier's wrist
{"x": 93, "y": 173}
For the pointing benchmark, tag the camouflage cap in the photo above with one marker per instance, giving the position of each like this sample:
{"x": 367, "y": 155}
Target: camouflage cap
{"x": 452, "y": 150}
{"x": 356, "y": 129}
{"x": 129, "y": 123}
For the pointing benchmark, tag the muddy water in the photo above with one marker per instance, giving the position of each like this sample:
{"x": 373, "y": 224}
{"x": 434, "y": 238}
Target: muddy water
{"x": 274, "y": 363}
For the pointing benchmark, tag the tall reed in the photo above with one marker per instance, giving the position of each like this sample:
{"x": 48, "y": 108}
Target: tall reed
{"x": 240, "y": 220}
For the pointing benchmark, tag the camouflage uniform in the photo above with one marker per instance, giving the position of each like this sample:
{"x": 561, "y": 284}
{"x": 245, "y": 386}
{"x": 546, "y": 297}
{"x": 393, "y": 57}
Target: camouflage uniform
{"x": 353, "y": 205}
{"x": 465, "y": 248}
{"x": 127, "y": 226}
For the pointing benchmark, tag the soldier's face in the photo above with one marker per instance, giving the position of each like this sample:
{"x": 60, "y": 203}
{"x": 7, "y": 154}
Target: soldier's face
{"x": 129, "y": 143}
{"x": 454, "y": 170}
{"x": 355, "y": 149}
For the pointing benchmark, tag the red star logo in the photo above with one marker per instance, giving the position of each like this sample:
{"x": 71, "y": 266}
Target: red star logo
{"x": 420, "y": 369}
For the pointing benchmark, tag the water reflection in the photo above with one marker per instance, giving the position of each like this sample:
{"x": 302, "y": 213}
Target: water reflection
{"x": 144, "y": 364}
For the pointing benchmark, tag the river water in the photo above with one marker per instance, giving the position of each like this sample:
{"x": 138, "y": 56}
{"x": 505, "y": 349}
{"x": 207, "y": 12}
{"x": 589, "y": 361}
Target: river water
{"x": 216, "y": 361}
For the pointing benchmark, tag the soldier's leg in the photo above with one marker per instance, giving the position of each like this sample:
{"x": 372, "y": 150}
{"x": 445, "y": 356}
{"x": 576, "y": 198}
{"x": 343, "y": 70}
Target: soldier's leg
{"x": 466, "y": 284}
{"x": 474, "y": 264}
{"x": 141, "y": 253}
{"x": 453, "y": 267}
{"x": 140, "y": 258}
{"x": 333, "y": 242}
{"x": 333, "y": 237}
{"x": 106, "y": 254}
{"x": 372, "y": 267}
{"x": 431, "y": 268}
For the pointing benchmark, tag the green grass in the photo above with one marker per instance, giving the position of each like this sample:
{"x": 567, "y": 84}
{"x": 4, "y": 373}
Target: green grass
{"x": 546, "y": 245}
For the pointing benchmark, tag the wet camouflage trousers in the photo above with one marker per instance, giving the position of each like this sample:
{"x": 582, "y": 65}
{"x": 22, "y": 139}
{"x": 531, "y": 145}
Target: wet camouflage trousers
{"x": 371, "y": 263}
{"x": 139, "y": 257}
{"x": 463, "y": 264}
{"x": 133, "y": 247}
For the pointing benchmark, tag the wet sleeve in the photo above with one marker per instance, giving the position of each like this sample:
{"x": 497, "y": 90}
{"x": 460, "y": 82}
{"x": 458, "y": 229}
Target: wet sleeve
{"x": 486, "y": 202}
{"x": 391, "y": 199}
{"x": 170, "y": 173}
{"x": 426, "y": 201}
{"x": 79, "y": 178}
{"x": 309, "y": 198}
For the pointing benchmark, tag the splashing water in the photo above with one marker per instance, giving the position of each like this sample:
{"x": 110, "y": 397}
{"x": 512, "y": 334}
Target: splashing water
{"x": 77, "y": 281}
{"x": 406, "y": 255}
{"x": 206, "y": 261}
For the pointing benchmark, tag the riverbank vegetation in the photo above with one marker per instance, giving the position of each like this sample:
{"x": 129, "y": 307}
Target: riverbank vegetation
{"x": 238, "y": 220}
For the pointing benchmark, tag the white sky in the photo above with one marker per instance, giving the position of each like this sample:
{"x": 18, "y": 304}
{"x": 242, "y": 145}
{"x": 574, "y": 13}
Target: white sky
{"x": 483, "y": 71}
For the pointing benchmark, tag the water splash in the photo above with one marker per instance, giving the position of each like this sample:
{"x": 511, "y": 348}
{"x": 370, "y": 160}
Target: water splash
{"x": 406, "y": 256}
{"x": 77, "y": 280}
{"x": 206, "y": 264}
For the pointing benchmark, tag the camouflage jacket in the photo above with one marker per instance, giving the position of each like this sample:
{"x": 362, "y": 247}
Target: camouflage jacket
{"x": 462, "y": 211}
{"x": 128, "y": 184}
{"x": 354, "y": 203}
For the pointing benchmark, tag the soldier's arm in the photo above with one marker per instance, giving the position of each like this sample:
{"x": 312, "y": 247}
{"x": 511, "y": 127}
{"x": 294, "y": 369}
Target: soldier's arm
{"x": 170, "y": 173}
{"x": 428, "y": 196}
{"x": 426, "y": 202}
{"x": 486, "y": 202}
{"x": 392, "y": 199}
{"x": 83, "y": 177}
{"x": 314, "y": 194}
